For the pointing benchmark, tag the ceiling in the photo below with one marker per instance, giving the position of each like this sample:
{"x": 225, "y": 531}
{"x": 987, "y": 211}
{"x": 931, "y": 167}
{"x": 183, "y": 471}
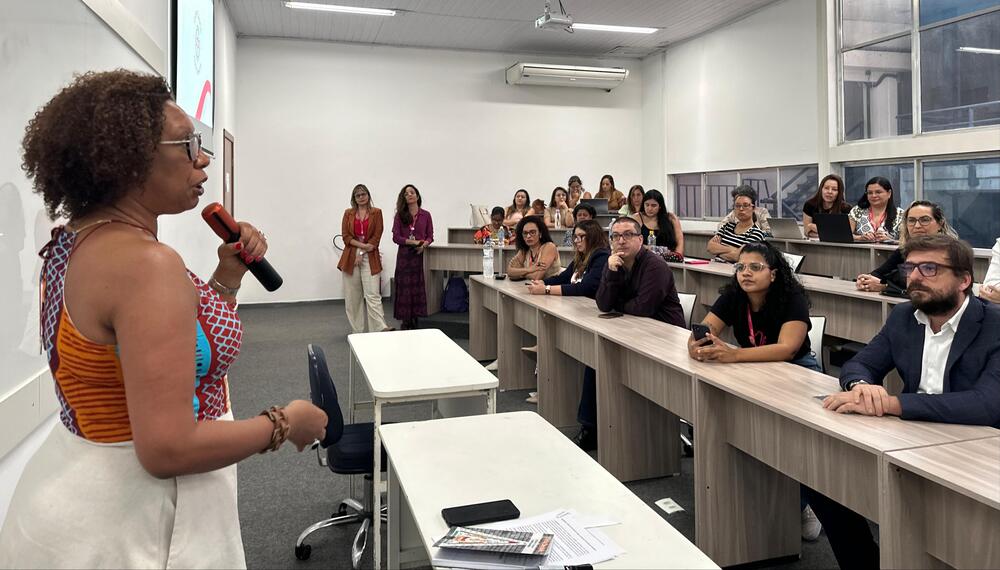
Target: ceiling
{"x": 494, "y": 25}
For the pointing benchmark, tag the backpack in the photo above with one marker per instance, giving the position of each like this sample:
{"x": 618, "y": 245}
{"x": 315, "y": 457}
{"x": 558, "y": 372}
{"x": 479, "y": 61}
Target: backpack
{"x": 456, "y": 296}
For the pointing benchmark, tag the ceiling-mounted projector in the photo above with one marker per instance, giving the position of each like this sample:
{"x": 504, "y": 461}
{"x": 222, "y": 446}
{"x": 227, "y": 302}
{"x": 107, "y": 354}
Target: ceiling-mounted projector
{"x": 558, "y": 21}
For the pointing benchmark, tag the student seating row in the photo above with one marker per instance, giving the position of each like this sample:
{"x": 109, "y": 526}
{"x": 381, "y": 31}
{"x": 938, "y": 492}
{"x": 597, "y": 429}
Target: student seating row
{"x": 761, "y": 430}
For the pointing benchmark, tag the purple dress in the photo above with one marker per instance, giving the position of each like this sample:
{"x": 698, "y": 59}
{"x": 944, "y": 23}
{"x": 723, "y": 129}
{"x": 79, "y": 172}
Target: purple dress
{"x": 411, "y": 295}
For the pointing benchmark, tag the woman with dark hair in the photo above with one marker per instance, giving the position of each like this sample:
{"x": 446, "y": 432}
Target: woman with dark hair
{"x": 732, "y": 236}
{"x": 140, "y": 471}
{"x": 633, "y": 205}
{"x": 829, "y": 199}
{"x": 663, "y": 226}
{"x": 583, "y": 275}
{"x": 536, "y": 257}
{"x": 361, "y": 262}
{"x": 412, "y": 231}
{"x": 576, "y": 192}
{"x": 876, "y": 217}
{"x": 520, "y": 205}
{"x": 491, "y": 230}
{"x": 608, "y": 192}
{"x": 558, "y": 205}
{"x": 920, "y": 219}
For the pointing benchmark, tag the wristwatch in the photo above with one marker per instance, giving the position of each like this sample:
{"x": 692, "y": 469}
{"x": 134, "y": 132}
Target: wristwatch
{"x": 853, "y": 383}
{"x": 548, "y": 289}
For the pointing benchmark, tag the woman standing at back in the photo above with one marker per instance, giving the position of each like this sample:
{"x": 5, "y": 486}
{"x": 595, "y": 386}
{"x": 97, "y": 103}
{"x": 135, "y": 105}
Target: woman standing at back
{"x": 361, "y": 262}
{"x": 412, "y": 231}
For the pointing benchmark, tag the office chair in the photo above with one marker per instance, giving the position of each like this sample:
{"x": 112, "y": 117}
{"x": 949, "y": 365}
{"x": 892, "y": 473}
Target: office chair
{"x": 794, "y": 261}
{"x": 688, "y": 301}
{"x": 348, "y": 452}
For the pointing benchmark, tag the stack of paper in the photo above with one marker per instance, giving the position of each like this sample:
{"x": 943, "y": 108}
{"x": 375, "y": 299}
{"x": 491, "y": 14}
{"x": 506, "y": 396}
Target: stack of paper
{"x": 575, "y": 541}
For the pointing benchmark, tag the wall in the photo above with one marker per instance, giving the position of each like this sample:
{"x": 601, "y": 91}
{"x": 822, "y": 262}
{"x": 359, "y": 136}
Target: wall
{"x": 318, "y": 118}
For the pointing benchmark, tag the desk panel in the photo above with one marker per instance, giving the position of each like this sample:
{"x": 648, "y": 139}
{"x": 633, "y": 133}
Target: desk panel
{"x": 560, "y": 376}
{"x": 482, "y": 321}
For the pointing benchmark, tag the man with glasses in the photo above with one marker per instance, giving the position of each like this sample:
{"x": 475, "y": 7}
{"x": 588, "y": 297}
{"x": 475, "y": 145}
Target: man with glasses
{"x": 945, "y": 345}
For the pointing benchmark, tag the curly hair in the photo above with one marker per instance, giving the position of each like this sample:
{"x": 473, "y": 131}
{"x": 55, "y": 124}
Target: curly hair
{"x": 785, "y": 283}
{"x": 95, "y": 140}
{"x": 544, "y": 236}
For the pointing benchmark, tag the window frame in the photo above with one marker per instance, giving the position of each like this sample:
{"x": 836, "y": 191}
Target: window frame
{"x": 703, "y": 177}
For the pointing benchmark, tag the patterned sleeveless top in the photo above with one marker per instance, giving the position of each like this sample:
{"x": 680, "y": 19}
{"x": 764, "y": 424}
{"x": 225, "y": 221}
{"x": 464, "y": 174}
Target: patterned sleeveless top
{"x": 88, "y": 375}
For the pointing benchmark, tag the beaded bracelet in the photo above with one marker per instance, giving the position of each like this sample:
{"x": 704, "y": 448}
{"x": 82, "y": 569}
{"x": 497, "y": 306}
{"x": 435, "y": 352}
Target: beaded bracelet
{"x": 281, "y": 428}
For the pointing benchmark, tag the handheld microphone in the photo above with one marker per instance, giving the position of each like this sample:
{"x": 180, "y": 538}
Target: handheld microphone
{"x": 226, "y": 228}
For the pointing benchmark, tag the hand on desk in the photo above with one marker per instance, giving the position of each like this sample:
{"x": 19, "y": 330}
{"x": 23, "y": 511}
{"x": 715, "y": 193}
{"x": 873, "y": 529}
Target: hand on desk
{"x": 990, "y": 293}
{"x": 717, "y": 351}
{"x": 868, "y": 282}
{"x": 864, "y": 399}
{"x": 536, "y": 287}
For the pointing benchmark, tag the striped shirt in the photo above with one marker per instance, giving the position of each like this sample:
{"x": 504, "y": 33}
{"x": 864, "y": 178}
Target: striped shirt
{"x": 727, "y": 234}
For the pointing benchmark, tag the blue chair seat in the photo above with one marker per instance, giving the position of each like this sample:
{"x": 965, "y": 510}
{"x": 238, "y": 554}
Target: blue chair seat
{"x": 353, "y": 453}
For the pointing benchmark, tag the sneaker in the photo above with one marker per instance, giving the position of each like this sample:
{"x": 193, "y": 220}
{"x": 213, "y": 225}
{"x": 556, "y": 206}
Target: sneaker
{"x": 810, "y": 525}
{"x": 493, "y": 366}
{"x": 532, "y": 398}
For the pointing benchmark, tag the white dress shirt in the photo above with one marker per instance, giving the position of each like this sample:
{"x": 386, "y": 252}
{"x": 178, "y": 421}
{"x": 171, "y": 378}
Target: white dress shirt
{"x": 936, "y": 348}
{"x": 993, "y": 273}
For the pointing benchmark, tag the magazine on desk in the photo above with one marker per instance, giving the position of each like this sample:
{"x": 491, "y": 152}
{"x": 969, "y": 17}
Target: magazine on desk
{"x": 496, "y": 540}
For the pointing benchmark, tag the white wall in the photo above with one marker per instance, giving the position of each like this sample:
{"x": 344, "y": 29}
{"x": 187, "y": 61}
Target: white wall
{"x": 745, "y": 95}
{"x": 654, "y": 126}
{"x": 317, "y": 118}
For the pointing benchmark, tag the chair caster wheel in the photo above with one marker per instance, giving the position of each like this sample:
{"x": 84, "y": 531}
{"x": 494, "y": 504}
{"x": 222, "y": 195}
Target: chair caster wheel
{"x": 341, "y": 510}
{"x": 303, "y": 551}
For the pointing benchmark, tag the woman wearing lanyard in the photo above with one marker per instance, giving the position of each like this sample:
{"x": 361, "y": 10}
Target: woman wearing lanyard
{"x": 769, "y": 312}
{"x": 361, "y": 262}
{"x": 412, "y": 231}
{"x": 876, "y": 217}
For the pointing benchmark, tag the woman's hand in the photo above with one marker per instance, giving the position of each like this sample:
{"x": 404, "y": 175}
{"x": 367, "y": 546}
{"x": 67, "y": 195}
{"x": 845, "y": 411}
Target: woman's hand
{"x": 718, "y": 351}
{"x": 866, "y": 282}
{"x": 306, "y": 423}
{"x": 536, "y": 287}
{"x": 812, "y": 230}
{"x": 990, "y": 293}
{"x": 233, "y": 257}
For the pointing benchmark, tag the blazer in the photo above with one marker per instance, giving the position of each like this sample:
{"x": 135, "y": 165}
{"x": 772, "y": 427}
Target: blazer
{"x": 374, "y": 237}
{"x": 971, "y": 375}
{"x": 590, "y": 280}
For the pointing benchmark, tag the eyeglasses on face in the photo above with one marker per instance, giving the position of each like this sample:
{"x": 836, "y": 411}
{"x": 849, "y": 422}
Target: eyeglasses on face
{"x": 742, "y": 206}
{"x": 192, "y": 144}
{"x": 754, "y": 266}
{"x": 926, "y": 268}
{"x": 529, "y": 233}
{"x": 623, "y": 235}
{"x": 579, "y": 237}
{"x": 922, "y": 221}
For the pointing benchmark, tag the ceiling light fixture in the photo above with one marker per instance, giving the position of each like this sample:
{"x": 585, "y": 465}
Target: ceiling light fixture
{"x": 625, "y": 29}
{"x": 342, "y": 9}
{"x": 980, "y": 50}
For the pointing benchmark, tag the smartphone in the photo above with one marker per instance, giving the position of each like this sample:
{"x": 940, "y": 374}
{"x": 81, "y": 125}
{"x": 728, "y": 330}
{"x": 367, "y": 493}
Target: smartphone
{"x": 610, "y": 315}
{"x": 480, "y": 513}
{"x": 700, "y": 331}
{"x": 500, "y": 276}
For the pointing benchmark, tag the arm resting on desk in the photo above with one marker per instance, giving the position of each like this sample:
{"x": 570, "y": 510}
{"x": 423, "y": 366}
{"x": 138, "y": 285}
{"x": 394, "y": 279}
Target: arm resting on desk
{"x": 608, "y": 290}
{"x": 871, "y": 364}
{"x": 654, "y": 287}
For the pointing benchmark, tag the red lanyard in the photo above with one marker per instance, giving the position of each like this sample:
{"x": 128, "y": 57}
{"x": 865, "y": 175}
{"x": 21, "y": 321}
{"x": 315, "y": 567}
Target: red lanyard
{"x": 753, "y": 335}
{"x": 871, "y": 220}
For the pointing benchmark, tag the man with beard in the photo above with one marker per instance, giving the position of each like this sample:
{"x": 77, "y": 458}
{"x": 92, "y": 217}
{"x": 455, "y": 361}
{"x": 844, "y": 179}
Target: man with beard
{"x": 945, "y": 344}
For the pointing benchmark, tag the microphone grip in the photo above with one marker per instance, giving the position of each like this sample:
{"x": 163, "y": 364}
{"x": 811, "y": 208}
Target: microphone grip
{"x": 265, "y": 274}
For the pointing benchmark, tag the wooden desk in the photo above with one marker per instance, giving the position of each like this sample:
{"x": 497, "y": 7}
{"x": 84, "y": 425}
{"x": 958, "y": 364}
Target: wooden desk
{"x": 941, "y": 506}
{"x": 434, "y": 367}
{"x": 444, "y": 463}
{"x": 841, "y": 260}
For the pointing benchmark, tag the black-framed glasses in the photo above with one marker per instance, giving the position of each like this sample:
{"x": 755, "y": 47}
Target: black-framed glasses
{"x": 927, "y": 268}
{"x": 922, "y": 220}
{"x": 623, "y": 235}
{"x": 192, "y": 144}
{"x": 528, "y": 233}
{"x": 754, "y": 266}
{"x": 742, "y": 206}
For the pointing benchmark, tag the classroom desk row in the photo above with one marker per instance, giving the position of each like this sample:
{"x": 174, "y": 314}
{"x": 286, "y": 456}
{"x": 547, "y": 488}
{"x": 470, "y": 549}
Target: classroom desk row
{"x": 760, "y": 432}
{"x": 841, "y": 260}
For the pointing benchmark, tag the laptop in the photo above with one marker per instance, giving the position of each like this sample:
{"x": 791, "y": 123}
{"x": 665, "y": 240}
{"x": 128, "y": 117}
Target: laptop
{"x": 785, "y": 228}
{"x": 835, "y": 228}
{"x": 600, "y": 205}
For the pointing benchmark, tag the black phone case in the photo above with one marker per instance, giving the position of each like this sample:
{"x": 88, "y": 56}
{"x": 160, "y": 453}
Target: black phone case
{"x": 480, "y": 513}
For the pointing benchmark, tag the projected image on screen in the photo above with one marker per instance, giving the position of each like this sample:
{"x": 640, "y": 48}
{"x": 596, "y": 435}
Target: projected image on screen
{"x": 195, "y": 86}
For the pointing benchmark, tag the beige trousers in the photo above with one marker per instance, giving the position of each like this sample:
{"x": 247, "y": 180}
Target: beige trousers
{"x": 363, "y": 290}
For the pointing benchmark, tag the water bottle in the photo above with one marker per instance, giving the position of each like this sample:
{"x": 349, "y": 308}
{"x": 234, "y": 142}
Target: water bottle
{"x": 651, "y": 238}
{"x": 487, "y": 259}
{"x": 501, "y": 236}
{"x": 558, "y": 217}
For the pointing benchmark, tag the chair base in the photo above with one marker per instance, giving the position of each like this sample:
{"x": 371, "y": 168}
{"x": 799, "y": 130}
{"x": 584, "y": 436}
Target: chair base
{"x": 349, "y": 511}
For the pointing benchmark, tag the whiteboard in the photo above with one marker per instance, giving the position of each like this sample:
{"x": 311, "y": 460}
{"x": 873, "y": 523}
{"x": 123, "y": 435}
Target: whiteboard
{"x": 42, "y": 44}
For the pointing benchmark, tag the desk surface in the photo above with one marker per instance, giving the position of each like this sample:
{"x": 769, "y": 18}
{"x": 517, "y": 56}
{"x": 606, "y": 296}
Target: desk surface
{"x": 402, "y": 364}
{"x": 969, "y": 468}
{"x": 519, "y": 456}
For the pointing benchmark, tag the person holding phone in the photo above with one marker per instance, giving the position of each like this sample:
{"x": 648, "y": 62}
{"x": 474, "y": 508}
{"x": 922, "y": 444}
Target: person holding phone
{"x": 412, "y": 231}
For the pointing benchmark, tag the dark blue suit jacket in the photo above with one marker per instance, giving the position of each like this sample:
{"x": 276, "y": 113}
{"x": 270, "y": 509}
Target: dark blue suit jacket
{"x": 971, "y": 375}
{"x": 591, "y": 276}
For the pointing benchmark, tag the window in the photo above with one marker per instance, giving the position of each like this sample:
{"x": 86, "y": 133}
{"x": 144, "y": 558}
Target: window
{"x": 959, "y": 81}
{"x": 765, "y": 182}
{"x": 718, "y": 198}
{"x": 798, "y": 184}
{"x": 688, "y": 192}
{"x": 900, "y": 175}
{"x": 969, "y": 193}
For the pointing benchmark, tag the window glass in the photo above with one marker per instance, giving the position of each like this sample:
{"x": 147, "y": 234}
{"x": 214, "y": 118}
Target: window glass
{"x": 765, "y": 182}
{"x": 932, "y": 11}
{"x": 969, "y": 193}
{"x": 688, "y": 188}
{"x": 900, "y": 176}
{"x": 718, "y": 198}
{"x": 959, "y": 88}
{"x": 877, "y": 90}
{"x": 867, "y": 20}
{"x": 798, "y": 184}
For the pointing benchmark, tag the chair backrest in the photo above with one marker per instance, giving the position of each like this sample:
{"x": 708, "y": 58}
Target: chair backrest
{"x": 794, "y": 261}
{"x": 816, "y": 338}
{"x": 687, "y": 305}
{"x": 324, "y": 394}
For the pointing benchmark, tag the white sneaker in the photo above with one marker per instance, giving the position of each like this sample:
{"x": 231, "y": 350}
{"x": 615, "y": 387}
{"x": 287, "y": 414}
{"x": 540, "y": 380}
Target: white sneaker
{"x": 495, "y": 365}
{"x": 532, "y": 398}
{"x": 810, "y": 525}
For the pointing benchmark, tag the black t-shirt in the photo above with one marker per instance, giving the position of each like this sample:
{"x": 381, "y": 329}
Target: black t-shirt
{"x": 732, "y": 309}
{"x": 811, "y": 211}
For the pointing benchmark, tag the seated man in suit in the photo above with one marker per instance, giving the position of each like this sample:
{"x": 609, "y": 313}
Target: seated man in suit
{"x": 945, "y": 345}
{"x": 635, "y": 282}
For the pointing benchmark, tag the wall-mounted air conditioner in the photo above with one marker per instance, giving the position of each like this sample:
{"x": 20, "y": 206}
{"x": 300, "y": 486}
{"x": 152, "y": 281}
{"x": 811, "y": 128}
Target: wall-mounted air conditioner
{"x": 606, "y": 78}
